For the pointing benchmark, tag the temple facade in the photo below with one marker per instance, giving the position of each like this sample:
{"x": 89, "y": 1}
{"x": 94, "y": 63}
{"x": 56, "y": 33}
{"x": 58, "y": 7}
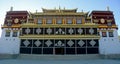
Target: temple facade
{"x": 59, "y": 32}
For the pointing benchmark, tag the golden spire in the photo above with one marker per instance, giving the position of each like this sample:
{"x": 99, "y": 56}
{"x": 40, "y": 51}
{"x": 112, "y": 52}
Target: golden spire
{"x": 55, "y": 8}
{"x": 36, "y": 11}
{"x": 108, "y": 8}
{"x": 11, "y": 8}
{"x": 64, "y": 8}
{"x": 82, "y": 10}
{"x": 59, "y": 8}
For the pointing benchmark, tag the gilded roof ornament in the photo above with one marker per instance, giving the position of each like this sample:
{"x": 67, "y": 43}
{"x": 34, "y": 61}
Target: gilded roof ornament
{"x": 108, "y": 8}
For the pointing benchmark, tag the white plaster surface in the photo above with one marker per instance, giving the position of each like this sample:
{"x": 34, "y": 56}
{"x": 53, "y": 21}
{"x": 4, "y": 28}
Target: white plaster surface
{"x": 9, "y": 45}
{"x": 109, "y": 45}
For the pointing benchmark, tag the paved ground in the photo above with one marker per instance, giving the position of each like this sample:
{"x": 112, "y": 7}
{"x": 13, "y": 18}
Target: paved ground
{"x": 30, "y": 61}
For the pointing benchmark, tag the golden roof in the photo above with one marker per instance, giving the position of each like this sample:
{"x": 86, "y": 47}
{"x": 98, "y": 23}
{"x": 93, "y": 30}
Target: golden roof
{"x": 59, "y": 10}
{"x": 52, "y": 14}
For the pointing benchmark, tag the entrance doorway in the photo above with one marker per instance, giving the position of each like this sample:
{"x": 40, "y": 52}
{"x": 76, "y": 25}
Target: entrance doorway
{"x": 59, "y": 51}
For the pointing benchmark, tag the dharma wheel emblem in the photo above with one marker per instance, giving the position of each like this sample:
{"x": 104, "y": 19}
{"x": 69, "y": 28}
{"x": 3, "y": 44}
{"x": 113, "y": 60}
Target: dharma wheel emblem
{"x": 16, "y": 20}
{"x": 102, "y": 20}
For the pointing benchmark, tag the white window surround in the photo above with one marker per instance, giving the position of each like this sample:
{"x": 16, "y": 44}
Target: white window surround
{"x": 7, "y": 34}
{"x": 15, "y": 34}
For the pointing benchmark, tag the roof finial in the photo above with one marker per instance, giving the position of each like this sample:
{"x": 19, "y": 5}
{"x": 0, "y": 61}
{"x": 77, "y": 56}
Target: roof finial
{"x": 11, "y": 8}
{"x": 82, "y": 10}
{"x": 108, "y": 8}
{"x": 64, "y": 8}
{"x": 55, "y": 8}
{"x": 36, "y": 11}
{"x": 59, "y": 8}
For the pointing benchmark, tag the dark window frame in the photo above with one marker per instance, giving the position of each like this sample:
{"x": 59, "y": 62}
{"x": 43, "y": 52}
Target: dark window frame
{"x": 7, "y": 34}
{"x": 104, "y": 35}
{"x": 111, "y": 35}
{"x": 15, "y": 34}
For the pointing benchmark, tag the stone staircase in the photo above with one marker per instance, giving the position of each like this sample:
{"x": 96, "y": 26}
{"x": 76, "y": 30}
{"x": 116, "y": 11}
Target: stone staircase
{"x": 89, "y": 56}
{"x": 57, "y": 57}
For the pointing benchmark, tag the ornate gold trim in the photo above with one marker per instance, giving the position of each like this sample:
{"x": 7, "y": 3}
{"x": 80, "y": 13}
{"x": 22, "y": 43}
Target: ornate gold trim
{"x": 32, "y": 25}
{"x": 105, "y": 26}
{"x": 59, "y": 37}
{"x": 13, "y": 26}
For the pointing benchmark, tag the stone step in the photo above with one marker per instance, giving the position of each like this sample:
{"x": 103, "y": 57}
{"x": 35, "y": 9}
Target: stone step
{"x": 55, "y": 57}
{"x": 52, "y": 57}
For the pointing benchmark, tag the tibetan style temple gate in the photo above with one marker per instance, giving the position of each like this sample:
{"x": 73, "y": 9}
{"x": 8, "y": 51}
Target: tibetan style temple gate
{"x": 59, "y": 32}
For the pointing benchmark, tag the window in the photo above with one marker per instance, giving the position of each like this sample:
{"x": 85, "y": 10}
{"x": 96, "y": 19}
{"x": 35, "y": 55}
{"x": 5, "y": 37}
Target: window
{"x": 7, "y": 34}
{"x": 104, "y": 34}
{"x": 39, "y": 21}
{"x": 109, "y": 23}
{"x": 59, "y": 21}
{"x": 69, "y": 21}
{"x": 79, "y": 21}
{"x": 110, "y": 34}
{"x": 14, "y": 34}
{"x": 49, "y": 21}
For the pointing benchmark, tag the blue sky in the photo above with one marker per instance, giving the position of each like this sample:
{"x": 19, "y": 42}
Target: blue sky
{"x": 85, "y": 5}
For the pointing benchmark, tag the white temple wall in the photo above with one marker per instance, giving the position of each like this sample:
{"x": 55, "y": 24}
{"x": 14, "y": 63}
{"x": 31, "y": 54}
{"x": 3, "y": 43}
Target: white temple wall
{"x": 109, "y": 45}
{"x": 9, "y": 45}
